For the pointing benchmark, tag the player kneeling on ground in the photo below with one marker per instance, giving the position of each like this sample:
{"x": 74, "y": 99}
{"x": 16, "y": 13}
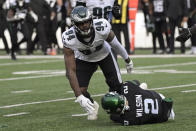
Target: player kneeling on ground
{"x": 136, "y": 106}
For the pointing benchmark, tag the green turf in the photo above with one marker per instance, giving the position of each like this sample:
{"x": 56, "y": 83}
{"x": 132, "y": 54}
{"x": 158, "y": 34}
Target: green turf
{"x": 56, "y": 115}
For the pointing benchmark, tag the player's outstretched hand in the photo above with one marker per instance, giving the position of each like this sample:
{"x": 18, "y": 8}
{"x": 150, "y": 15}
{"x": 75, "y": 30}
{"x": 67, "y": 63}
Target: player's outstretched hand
{"x": 185, "y": 34}
{"x": 86, "y": 104}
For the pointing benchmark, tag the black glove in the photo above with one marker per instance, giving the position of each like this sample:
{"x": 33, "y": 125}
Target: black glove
{"x": 185, "y": 34}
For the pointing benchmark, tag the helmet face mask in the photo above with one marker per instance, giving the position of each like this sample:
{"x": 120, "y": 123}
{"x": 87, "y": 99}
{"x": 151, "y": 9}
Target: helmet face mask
{"x": 113, "y": 103}
{"x": 82, "y": 21}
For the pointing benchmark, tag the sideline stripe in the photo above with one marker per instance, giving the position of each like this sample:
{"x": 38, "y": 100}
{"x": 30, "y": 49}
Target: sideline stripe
{"x": 17, "y": 114}
{"x": 188, "y": 91}
{"x": 73, "y": 98}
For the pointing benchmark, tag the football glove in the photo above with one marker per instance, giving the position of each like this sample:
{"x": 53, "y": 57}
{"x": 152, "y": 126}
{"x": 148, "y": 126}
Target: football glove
{"x": 129, "y": 67}
{"x": 86, "y": 104}
{"x": 184, "y": 35}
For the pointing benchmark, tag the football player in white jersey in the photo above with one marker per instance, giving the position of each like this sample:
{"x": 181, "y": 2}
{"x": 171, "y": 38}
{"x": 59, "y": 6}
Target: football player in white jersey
{"x": 102, "y": 8}
{"x": 85, "y": 49}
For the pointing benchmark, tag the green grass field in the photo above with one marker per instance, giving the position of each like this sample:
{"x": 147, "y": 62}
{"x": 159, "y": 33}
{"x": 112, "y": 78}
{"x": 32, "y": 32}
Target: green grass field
{"x": 36, "y": 96}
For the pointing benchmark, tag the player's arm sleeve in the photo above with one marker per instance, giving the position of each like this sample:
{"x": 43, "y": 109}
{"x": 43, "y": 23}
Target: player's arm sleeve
{"x": 64, "y": 40}
{"x": 116, "y": 46}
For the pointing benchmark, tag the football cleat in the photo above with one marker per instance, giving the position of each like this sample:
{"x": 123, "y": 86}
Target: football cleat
{"x": 93, "y": 116}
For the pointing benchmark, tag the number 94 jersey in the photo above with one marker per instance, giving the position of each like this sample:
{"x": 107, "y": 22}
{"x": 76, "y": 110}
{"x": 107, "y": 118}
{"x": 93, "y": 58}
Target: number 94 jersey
{"x": 145, "y": 106}
{"x": 97, "y": 49}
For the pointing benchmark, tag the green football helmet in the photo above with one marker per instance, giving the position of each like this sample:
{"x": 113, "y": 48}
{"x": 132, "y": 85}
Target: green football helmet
{"x": 113, "y": 103}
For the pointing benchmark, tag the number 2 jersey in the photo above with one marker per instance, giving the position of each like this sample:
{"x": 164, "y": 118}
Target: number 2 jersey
{"x": 95, "y": 50}
{"x": 145, "y": 106}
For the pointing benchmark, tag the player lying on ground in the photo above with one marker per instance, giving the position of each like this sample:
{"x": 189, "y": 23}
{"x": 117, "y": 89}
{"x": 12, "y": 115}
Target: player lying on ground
{"x": 136, "y": 106}
{"x": 186, "y": 34}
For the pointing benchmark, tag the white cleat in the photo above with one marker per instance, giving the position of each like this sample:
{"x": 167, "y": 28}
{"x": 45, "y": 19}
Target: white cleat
{"x": 93, "y": 116}
{"x": 172, "y": 114}
{"x": 144, "y": 86}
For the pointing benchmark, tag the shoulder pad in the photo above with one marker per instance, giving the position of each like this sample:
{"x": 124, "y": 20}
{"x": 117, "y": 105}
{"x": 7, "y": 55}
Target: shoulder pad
{"x": 102, "y": 26}
{"x": 68, "y": 37}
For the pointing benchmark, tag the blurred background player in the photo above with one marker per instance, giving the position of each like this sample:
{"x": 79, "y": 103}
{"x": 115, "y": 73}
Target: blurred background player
{"x": 102, "y": 8}
{"x": 145, "y": 9}
{"x": 178, "y": 15}
{"x": 85, "y": 49}
{"x": 45, "y": 30}
{"x": 136, "y": 106}
{"x": 191, "y": 5}
{"x": 3, "y": 25}
{"x": 187, "y": 33}
{"x": 157, "y": 10}
{"x": 149, "y": 23}
{"x": 120, "y": 25}
{"x": 19, "y": 17}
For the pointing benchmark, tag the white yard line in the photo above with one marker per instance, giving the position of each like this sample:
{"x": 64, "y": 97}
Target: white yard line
{"x": 27, "y": 63}
{"x": 16, "y": 114}
{"x": 188, "y": 91}
{"x": 40, "y": 102}
{"x": 33, "y": 57}
{"x": 85, "y": 114}
{"x": 24, "y": 91}
{"x": 69, "y": 92}
{"x": 171, "y": 87}
{"x": 73, "y": 98}
{"x": 30, "y": 77}
{"x": 142, "y": 67}
{"x": 166, "y": 65}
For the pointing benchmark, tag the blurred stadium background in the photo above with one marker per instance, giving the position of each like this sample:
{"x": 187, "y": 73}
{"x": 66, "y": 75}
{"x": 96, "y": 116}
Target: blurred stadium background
{"x": 142, "y": 41}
